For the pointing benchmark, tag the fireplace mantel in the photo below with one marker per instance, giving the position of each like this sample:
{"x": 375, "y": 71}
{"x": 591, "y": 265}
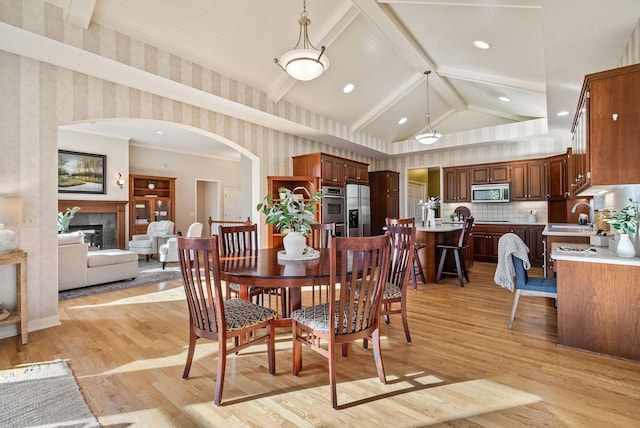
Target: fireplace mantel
{"x": 92, "y": 206}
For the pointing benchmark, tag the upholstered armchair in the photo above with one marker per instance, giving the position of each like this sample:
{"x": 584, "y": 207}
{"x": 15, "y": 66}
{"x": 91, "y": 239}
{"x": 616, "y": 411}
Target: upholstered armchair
{"x": 147, "y": 244}
{"x": 169, "y": 252}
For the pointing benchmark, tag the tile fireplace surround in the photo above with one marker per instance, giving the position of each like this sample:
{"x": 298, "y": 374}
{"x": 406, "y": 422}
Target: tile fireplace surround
{"x": 101, "y": 207}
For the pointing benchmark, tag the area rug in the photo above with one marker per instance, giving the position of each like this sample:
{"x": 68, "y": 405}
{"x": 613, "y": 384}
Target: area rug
{"x": 148, "y": 273}
{"x": 43, "y": 395}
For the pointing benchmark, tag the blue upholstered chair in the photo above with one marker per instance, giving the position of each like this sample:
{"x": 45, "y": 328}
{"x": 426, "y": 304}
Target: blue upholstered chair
{"x": 530, "y": 286}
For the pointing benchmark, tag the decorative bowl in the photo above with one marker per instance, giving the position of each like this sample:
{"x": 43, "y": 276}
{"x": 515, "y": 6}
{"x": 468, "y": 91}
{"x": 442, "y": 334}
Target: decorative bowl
{"x": 4, "y": 314}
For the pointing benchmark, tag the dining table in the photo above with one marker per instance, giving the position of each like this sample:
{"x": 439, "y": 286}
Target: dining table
{"x": 264, "y": 268}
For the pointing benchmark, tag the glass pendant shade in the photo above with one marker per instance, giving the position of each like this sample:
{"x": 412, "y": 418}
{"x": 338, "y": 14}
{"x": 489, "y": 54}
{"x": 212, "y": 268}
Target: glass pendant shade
{"x": 304, "y": 64}
{"x": 429, "y": 136}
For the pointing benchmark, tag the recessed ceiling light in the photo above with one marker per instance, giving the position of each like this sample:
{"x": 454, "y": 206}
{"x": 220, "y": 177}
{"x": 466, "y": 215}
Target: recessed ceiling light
{"x": 505, "y": 99}
{"x": 159, "y": 132}
{"x": 348, "y": 88}
{"x": 562, "y": 113}
{"x": 402, "y": 121}
{"x": 481, "y": 44}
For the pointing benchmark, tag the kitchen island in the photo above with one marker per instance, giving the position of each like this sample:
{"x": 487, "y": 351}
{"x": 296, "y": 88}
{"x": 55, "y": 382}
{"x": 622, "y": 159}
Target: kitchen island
{"x": 430, "y": 237}
{"x": 598, "y": 295}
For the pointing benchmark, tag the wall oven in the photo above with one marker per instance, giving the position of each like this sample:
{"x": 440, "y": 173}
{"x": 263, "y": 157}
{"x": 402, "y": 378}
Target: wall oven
{"x": 333, "y": 208}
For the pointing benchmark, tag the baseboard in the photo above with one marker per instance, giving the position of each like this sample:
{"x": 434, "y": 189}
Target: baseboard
{"x": 34, "y": 325}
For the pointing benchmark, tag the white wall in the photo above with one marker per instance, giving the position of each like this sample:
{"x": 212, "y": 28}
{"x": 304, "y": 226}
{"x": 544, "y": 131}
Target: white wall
{"x": 187, "y": 169}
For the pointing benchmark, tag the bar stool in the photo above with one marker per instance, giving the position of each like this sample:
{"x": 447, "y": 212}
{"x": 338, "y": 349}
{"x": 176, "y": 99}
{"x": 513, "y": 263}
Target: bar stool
{"x": 458, "y": 252}
{"x": 417, "y": 267}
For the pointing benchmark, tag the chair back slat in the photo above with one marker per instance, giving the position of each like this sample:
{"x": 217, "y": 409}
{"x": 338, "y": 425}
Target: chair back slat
{"x": 235, "y": 239}
{"x": 402, "y": 249}
{"x": 467, "y": 224}
{"x": 358, "y": 272}
{"x": 321, "y": 234}
{"x": 201, "y": 281}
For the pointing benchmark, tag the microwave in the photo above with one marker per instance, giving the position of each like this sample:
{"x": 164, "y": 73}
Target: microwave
{"x": 490, "y": 192}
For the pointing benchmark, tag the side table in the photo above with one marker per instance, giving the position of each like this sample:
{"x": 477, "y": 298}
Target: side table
{"x": 19, "y": 316}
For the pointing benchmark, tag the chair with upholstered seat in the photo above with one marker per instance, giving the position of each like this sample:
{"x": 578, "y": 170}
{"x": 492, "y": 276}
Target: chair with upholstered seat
{"x": 417, "y": 266}
{"x": 147, "y": 244}
{"x": 457, "y": 249}
{"x": 168, "y": 252}
{"x": 215, "y": 318}
{"x": 356, "y": 263}
{"x": 234, "y": 239}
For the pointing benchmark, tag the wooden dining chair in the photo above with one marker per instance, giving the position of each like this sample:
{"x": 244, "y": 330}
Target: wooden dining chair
{"x": 234, "y": 323}
{"x": 458, "y": 249}
{"x": 417, "y": 266}
{"x": 320, "y": 237}
{"x": 349, "y": 316}
{"x": 395, "y": 291}
{"x": 235, "y": 239}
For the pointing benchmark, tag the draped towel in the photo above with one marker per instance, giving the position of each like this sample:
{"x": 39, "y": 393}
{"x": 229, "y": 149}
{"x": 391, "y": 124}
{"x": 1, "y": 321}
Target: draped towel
{"x": 510, "y": 244}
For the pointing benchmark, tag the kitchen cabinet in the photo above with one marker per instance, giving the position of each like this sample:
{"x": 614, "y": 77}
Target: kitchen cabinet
{"x": 528, "y": 181}
{"x": 333, "y": 170}
{"x": 457, "y": 184}
{"x": 385, "y": 198}
{"x": 151, "y": 198}
{"x": 485, "y": 241}
{"x": 557, "y": 178}
{"x": 274, "y": 237}
{"x": 486, "y": 237}
{"x": 356, "y": 172}
{"x": 490, "y": 173}
{"x": 606, "y": 128}
{"x": 532, "y": 237}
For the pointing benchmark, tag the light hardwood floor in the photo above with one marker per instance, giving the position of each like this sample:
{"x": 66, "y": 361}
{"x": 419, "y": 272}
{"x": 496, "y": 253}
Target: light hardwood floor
{"x": 464, "y": 368}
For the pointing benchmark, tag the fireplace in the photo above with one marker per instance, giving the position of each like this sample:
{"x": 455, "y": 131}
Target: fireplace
{"x": 93, "y": 234}
{"x": 110, "y": 215}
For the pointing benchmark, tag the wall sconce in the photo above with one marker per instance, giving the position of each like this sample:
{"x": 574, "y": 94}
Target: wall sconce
{"x": 120, "y": 181}
{"x": 11, "y": 213}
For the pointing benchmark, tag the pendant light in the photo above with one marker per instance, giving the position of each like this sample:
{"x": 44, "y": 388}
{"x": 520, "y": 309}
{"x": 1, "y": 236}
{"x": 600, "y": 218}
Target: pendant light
{"x": 429, "y": 136}
{"x": 304, "y": 62}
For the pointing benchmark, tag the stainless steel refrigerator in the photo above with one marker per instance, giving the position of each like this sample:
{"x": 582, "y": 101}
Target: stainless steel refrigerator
{"x": 358, "y": 210}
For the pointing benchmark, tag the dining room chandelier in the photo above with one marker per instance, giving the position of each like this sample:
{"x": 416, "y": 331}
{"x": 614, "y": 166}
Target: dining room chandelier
{"x": 304, "y": 61}
{"x": 429, "y": 136}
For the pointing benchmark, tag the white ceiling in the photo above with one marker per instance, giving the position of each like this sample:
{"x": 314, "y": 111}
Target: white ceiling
{"x": 541, "y": 50}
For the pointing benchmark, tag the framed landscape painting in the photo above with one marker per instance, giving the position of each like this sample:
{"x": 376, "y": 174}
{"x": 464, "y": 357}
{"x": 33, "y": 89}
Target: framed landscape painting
{"x": 81, "y": 172}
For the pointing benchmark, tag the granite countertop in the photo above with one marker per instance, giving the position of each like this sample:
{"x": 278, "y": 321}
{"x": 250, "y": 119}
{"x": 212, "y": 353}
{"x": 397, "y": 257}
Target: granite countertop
{"x": 576, "y": 252}
{"x": 444, "y": 227}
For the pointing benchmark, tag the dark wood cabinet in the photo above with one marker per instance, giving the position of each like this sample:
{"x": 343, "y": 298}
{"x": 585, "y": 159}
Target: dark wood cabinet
{"x": 457, "y": 185}
{"x": 486, "y": 237}
{"x": 485, "y": 241}
{"x": 557, "y": 178}
{"x": 385, "y": 198}
{"x": 356, "y": 172}
{"x": 333, "y": 170}
{"x": 151, "y": 198}
{"x": 532, "y": 237}
{"x": 490, "y": 173}
{"x": 528, "y": 181}
{"x": 605, "y": 145}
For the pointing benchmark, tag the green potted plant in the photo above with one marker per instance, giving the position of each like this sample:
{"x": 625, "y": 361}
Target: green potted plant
{"x": 292, "y": 214}
{"x": 625, "y": 222}
{"x": 64, "y": 218}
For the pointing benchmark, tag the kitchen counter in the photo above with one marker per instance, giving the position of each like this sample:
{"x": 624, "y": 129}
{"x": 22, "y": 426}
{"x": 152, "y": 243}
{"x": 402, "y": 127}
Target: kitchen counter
{"x": 576, "y": 252}
{"x": 430, "y": 237}
{"x": 444, "y": 227}
{"x": 565, "y": 229}
{"x": 598, "y": 295}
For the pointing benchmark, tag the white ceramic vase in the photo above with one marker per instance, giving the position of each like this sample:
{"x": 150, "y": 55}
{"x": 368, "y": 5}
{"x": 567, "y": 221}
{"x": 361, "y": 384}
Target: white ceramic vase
{"x": 625, "y": 247}
{"x": 431, "y": 218}
{"x": 294, "y": 244}
{"x": 151, "y": 186}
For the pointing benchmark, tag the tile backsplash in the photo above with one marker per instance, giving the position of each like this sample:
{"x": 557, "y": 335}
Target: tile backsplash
{"x": 515, "y": 212}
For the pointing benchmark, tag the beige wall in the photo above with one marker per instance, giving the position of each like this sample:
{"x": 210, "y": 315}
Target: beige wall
{"x": 42, "y": 96}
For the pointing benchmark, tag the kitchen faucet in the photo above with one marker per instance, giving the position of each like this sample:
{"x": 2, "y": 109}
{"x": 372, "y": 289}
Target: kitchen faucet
{"x": 592, "y": 215}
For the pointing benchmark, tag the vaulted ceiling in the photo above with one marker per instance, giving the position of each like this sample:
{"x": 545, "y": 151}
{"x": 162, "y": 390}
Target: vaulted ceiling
{"x": 540, "y": 51}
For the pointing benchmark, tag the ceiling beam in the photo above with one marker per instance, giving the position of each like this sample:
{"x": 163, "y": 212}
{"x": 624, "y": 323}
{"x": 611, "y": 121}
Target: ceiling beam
{"x": 488, "y": 79}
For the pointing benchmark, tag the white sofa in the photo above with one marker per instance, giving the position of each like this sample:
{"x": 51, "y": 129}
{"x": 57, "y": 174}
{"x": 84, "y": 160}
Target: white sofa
{"x": 79, "y": 267}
